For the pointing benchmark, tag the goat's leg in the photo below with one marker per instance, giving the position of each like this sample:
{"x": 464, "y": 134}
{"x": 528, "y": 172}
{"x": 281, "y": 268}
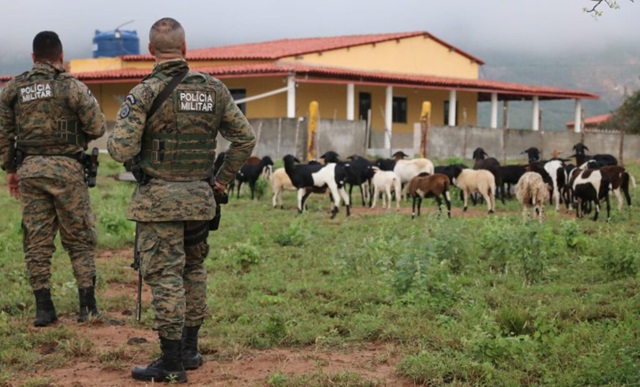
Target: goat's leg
{"x": 595, "y": 216}
{"x": 465, "y": 200}
{"x": 375, "y": 197}
{"x": 302, "y": 199}
{"x": 490, "y": 199}
{"x": 335, "y": 196}
{"x": 439, "y": 201}
{"x": 447, "y": 200}
{"x": 413, "y": 206}
{"x": 346, "y": 198}
{"x": 606, "y": 199}
{"x": 387, "y": 194}
{"x": 274, "y": 199}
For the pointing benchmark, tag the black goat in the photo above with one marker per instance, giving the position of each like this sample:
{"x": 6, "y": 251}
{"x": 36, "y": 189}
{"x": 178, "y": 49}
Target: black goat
{"x": 360, "y": 173}
{"x": 492, "y": 165}
{"x": 533, "y": 154}
{"x": 510, "y": 175}
{"x": 601, "y": 160}
{"x": 249, "y": 173}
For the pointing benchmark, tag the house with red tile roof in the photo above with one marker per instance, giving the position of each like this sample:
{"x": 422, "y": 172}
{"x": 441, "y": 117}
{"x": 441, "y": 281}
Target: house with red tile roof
{"x": 381, "y": 78}
{"x": 590, "y": 124}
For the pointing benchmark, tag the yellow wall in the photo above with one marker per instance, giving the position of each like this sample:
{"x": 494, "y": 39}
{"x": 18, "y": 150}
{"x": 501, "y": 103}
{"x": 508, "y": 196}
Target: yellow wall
{"x": 332, "y": 100}
{"x": 94, "y": 64}
{"x": 110, "y": 97}
{"x": 417, "y": 55}
{"x": 270, "y": 107}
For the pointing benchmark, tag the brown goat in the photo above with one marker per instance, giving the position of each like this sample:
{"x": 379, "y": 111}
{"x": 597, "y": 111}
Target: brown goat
{"x": 430, "y": 185}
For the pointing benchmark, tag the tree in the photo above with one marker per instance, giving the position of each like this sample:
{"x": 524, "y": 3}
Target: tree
{"x": 627, "y": 117}
{"x": 596, "y": 8}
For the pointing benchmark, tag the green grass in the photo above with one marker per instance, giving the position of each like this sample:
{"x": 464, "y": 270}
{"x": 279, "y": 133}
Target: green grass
{"x": 492, "y": 300}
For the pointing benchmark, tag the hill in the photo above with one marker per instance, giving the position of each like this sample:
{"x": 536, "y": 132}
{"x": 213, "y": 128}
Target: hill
{"x": 610, "y": 73}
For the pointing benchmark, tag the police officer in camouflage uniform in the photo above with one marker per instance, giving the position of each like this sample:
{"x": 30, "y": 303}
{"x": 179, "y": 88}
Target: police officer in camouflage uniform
{"x": 46, "y": 119}
{"x": 174, "y": 147}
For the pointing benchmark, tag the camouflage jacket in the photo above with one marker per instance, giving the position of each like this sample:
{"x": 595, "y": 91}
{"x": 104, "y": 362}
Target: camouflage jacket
{"x": 17, "y": 109}
{"x": 161, "y": 200}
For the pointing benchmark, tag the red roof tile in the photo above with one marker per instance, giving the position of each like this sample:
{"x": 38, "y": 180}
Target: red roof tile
{"x": 509, "y": 91}
{"x": 595, "y": 120}
{"x": 276, "y": 49}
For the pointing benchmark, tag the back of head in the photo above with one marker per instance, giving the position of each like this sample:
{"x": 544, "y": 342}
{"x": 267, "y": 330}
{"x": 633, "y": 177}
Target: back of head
{"x": 166, "y": 37}
{"x": 47, "y": 46}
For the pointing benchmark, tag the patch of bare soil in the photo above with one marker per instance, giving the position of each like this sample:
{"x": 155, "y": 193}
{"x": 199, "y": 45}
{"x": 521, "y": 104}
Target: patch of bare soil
{"x": 374, "y": 362}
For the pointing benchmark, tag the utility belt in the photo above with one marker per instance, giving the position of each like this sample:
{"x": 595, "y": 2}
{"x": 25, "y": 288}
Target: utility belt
{"x": 89, "y": 162}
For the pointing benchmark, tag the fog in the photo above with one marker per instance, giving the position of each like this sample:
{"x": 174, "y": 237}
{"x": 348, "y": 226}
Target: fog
{"x": 545, "y": 26}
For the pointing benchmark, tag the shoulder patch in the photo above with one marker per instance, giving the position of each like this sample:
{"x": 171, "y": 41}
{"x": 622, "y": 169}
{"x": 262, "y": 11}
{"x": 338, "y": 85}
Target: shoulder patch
{"x": 131, "y": 99}
{"x": 124, "y": 111}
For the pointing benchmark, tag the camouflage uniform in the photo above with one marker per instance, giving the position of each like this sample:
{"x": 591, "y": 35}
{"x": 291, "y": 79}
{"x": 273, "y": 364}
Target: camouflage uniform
{"x": 178, "y": 202}
{"x": 50, "y": 116}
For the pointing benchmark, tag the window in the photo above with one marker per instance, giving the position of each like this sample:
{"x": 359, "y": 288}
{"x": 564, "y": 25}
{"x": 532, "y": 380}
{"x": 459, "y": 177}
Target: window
{"x": 240, "y": 94}
{"x": 365, "y": 105}
{"x": 446, "y": 115}
{"x": 399, "y": 107}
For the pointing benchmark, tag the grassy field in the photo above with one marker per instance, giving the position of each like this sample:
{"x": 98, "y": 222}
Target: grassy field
{"x": 473, "y": 300}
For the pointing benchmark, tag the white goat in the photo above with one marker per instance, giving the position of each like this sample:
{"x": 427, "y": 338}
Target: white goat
{"x": 477, "y": 180}
{"x": 408, "y": 169}
{"x": 385, "y": 182}
{"x": 280, "y": 181}
{"x": 532, "y": 191}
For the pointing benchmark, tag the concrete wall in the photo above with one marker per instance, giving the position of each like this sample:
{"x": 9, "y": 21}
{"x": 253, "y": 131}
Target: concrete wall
{"x": 507, "y": 145}
{"x": 280, "y": 136}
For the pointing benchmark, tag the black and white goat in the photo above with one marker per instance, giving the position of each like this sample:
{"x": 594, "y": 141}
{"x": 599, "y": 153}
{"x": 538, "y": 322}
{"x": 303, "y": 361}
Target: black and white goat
{"x": 250, "y": 173}
{"x": 317, "y": 178}
{"x": 591, "y": 185}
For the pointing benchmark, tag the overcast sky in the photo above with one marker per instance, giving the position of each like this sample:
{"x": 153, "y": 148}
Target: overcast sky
{"x": 471, "y": 25}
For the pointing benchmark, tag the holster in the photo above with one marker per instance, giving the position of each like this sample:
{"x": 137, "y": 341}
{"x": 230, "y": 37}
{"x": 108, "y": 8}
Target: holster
{"x": 133, "y": 166}
{"x": 221, "y": 198}
{"x": 90, "y": 165}
{"x": 18, "y": 157}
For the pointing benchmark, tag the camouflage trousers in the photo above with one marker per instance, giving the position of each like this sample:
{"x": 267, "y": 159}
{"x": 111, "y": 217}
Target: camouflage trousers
{"x": 50, "y": 205}
{"x": 175, "y": 273}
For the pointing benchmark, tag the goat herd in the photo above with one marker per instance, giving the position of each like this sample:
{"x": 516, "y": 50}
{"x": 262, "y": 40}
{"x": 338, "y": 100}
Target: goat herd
{"x": 578, "y": 186}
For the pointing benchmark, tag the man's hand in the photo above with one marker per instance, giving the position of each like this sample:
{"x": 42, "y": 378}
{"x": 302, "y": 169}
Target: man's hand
{"x": 218, "y": 186}
{"x": 220, "y": 192}
{"x": 14, "y": 185}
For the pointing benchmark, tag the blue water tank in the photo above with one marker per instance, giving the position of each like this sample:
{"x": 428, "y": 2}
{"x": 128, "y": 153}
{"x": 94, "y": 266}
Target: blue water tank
{"x": 115, "y": 43}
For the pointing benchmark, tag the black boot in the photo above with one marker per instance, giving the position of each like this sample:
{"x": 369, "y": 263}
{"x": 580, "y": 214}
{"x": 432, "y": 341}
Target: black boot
{"x": 191, "y": 359}
{"x": 167, "y": 368}
{"x": 45, "y": 311}
{"x": 87, "y": 303}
